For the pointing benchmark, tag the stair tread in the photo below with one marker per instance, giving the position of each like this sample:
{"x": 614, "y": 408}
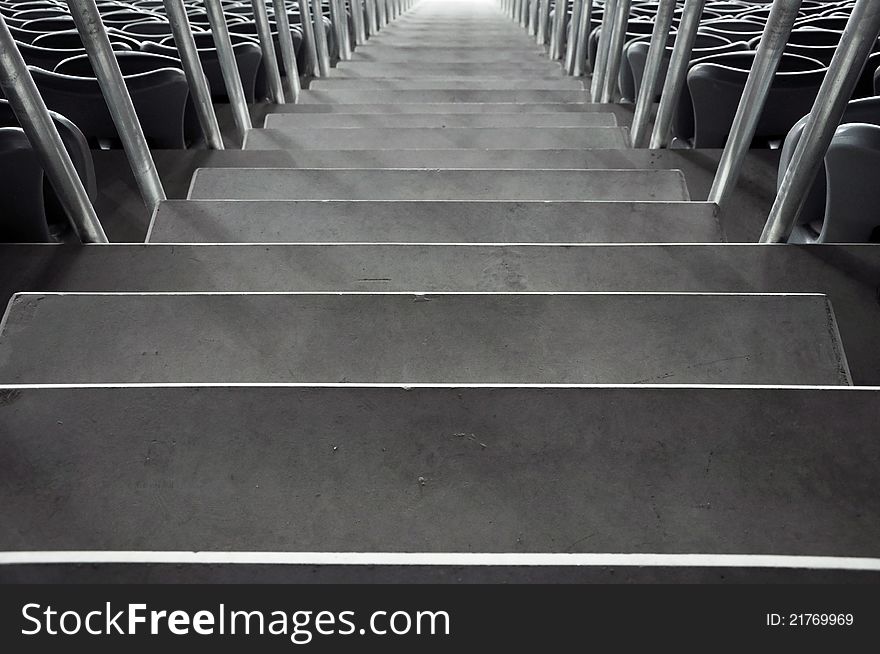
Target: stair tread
{"x": 293, "y": 137}
{"x": 285, "y": 221}
{"x": 424, "y": 184}
{"x": 521, "y": 120}
{"x": 406, "y": 338}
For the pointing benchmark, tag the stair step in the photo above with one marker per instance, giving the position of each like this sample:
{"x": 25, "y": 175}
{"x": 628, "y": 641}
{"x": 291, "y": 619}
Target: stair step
{"x": 385, "y": 96}
{"x": 422, "y": 184}
{"x": 405, "y": 338}
{"x": 253, "y": 155}
{"x": 502, "y": 470}
{"x": 452, "y": 108}
{"x": 301, "y": 120}
{"x": 268, "y": 221}
{"x": 482, "y": 84}
{"x": 416, "y": 138}
{"x": 359, "y": 69}
{"x": 474, "y": 55}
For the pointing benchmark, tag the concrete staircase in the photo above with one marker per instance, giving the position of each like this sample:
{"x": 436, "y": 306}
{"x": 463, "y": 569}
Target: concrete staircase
{"x": 399, "y": 344}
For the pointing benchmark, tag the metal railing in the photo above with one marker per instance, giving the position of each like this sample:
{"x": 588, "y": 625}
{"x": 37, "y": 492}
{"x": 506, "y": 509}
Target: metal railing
{"x": 567, "y": 41}
{"x": 369, "y": 16}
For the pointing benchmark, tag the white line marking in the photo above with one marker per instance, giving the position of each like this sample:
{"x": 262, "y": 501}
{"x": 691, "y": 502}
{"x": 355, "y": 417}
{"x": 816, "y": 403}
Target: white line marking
{"x": 447, "y": 559}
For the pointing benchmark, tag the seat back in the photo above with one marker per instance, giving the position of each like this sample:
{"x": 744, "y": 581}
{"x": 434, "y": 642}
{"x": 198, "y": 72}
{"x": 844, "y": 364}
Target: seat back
{"x": 23, "y": 219}
{"x": 865, "y": 111}
{"x": 159, "y": 99}
{"x": 247, "y": 55}
{"x": 715, "y": 85}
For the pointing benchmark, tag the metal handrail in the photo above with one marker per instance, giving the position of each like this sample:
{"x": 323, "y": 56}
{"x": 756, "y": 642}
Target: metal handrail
{"x": 195, "y": 74}
{"x": 97, "y": 45}
{"x": 19, "y": 88}
{"x": 859, "y": 37}
{"x": 228, "y": 67}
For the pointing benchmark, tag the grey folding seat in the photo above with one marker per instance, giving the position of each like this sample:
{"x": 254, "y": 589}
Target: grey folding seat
{"x": 250, "y": 29}
{"x": 136, "y": 63}
{"x": 128, "y": 16}
{"x": 159, "y": 99}
{"x": 46, "y": 58}
{"x": 152, "y": 30}
{"x": 22, "y": 35}
{"x": 247, "y": 55}
{"x": 842, "y": 202}
{"x": 80, "y": 154}
{"x": 837, "y": 23}
{"x": 58, "y": 24}
{"x": 21, "y": 189}
{"x": 705, "y": 112}
{"x": 819, "y": 44}
{"x": 634, "y": 30}
{"x": 70, "y": 40}
{"x": 637, "y": 57}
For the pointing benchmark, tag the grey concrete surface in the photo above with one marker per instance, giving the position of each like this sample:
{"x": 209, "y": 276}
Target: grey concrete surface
{"x": 849, "y": 275}
{"x": 380, "y": 96}
{"x": 269, "y": 221}
{"x": 417, "y": 138}
{"x": 519, "y": 120}
{"x": 658, "y": 470}
{"x": 406, "y": 338}
{"x": 413, "y": 184}
{"x": 449, "y": 83}
{"x": 510, "y": 66}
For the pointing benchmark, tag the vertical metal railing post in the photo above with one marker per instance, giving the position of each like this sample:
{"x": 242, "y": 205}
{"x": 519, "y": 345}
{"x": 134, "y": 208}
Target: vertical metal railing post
{"x": 371, "y": 17}
{"x": 615, "y": 50}
{"x": 33, "y": 116}
{"x": 597, "y": 83}
{"x": 357, "y": 17}
{"x": 340, "y": 23}
{"x": 859, "y": 37}
{"x": 382, "y": 13}
{"x": 267, "y": 45}
{"x": 308, "y": 31}
{"x": 754, "y": 97}
{"x": 195, "y": 74}
{"x": 320, "y": 38}
{"x": 228, "y": 67}
{"x": 582, "y": 36}
{"x": 557, "y": 37}
{"x": 288, "y": 53}
{"x": 651, "y": 77}
{"x": 533, "y": 18}
{"x": 97, "y": 44}
{"x": 676, "y": 76}
{"x": 543, "y": 18}
{"x": 571, "y": 42}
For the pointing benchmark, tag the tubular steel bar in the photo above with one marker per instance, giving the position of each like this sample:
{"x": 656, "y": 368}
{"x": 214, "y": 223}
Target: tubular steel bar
{"x": 859, "y": 37}
{"x": 195, "y": 74}
{"x": 320, "y": 38}
{"x": 677, "y": 73}
{"x": 651, "y": 77}
{"x": 571, "y": 43}
{"x": 615, "y": 50}
{"x": 228, "y": 67}
{"x": 33, "y": 116}
{"x": 308, "y": 30}
{"x": 97, "y": 44}
{"x": 357, "y": 17}
{"x": 288, "y": 53}
{"x": 754, "y": 97}
{"x": 583, "y": 36}
{"x": 597, "y": 83}
{"x": 557, "y": 38}
{"x": 340, "y": 24}
{"x": 267, "y": 45}
{"x": 543, "y": 19}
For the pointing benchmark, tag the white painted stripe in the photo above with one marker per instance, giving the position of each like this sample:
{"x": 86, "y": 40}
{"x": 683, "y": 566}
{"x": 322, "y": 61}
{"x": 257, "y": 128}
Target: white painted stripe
{"x": 442, "y": 385}
{"x": 486, "y": 559}
{"x": 415, "y": 293}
